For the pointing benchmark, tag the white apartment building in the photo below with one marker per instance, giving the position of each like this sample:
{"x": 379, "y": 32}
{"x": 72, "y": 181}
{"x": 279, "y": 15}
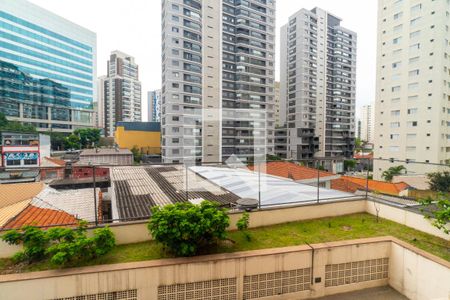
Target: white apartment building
{"x": 367, "y": 123}
{"x": 318, "y": 83}
{"x": 100, "y": 104}
{"x": 217, "y": 79}
{"x": 122, "y": 91}
{"x": 412, "y": 109}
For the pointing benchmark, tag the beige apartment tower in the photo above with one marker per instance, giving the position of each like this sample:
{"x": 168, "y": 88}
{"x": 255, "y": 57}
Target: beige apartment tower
{"x": 412, "y": 109}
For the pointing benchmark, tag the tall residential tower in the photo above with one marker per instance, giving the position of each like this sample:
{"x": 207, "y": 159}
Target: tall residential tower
{"x": 47, "y": 68}
{"x": 122, "y": 91}
{"x": 217, "y": 81}
{"x": 154, "y": 105}
{"x": 412, "y": 109}
{"x": 367, "y": 123}
{"x": 317, "y": 90}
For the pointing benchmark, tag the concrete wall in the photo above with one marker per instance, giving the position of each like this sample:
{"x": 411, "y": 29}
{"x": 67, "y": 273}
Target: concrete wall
{"x": 134, "y": 232}
{"x": 404, "y": 217}
{"x": 297, "y": 272}
{"x": 415, "y": 275}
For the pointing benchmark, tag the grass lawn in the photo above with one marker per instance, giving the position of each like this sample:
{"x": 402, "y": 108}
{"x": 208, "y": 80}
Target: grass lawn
{"x": 295, "y": 233}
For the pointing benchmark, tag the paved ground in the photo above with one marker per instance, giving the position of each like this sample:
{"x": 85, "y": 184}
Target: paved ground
{"x": 378, "y": 293}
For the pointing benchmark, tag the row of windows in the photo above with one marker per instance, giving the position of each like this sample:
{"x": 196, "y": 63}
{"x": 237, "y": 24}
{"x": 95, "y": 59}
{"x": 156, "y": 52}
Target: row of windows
{"x": 21, "y": 59}
{"x": 29, "y": 43}
{"x": 40, "y": 29}
{"x": 43, "y": 56}
{"x": 43, "y": 39}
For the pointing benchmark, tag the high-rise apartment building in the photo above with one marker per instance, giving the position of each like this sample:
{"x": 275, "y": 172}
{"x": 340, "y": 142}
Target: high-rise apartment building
{"x": 367, "y": 123}
{"x": 99, "y": 105}
{"x": 276, "y": 107}
{"x": 47, "y": 68}
{"x": 217, "y": 81}
{"x": 122, "y": 91}
{"x": 318, "y": 78}
{"x": 154, "y": 106}
{"x": 412, "y": 109}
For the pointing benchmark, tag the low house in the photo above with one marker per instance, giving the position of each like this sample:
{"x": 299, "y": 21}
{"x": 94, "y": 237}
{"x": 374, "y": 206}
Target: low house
{"x": 146, "y": 136}
{"x": 353, "y": 184}
{"x": 114, "y": 157}
{"x": 297, "y": 173}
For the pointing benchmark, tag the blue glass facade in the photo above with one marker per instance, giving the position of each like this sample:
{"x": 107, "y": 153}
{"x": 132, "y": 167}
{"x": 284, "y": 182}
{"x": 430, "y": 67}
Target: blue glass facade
{"x": 46, "y": 77}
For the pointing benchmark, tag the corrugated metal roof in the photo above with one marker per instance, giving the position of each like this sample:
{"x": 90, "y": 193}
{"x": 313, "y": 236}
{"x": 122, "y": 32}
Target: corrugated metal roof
{"x": 99, "y": 151}
{"x": 140, "y": 126}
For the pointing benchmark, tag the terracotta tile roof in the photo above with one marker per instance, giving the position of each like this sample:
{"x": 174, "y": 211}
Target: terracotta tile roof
{"x": 52, "y": 162}
{"x": 379, "y": 186}
{"x": 17, "y": 192}
{"x": 363, "y": 156}
{"x": 290, "y": 170}
{"x": 38, "y": 216}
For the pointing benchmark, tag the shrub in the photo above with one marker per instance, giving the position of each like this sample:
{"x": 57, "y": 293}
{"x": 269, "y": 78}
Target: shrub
{"x": 439, "y": 181}
{"x": 60, "y": 245}
{"x": 34, "y": 241}
{"x": 184, "y": 228}
{"x": 440, "y": 213}
{"x": 242, "y": 225}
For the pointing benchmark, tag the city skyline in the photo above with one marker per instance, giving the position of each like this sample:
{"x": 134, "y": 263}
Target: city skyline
{"x": 143, "y": 17}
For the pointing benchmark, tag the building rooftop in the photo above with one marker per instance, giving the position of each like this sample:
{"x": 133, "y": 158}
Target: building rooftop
{"x": 137, "y": 189}
{"x": 140, "y": 126}
{"x": 376, "y": 185}
{"x": 52, "y": 162}
{"x": 106, "y": 151}
{"x": 274, "y": 190}
{"x": 291, "y": 170}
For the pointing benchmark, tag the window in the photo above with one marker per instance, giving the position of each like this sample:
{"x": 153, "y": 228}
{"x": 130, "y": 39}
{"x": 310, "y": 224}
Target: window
{"x": 414, "y": 34}
{"x": 398, "y": 15}
{"x": 414, "y": 59}
{"x": 413, "y": 86}
{"x": 394, "y": 148}
{"x": 412, "y": 111}
{"x": 410, "y": 148}
{"x": 414, "y": 47}
{"x": 412, "y": 124}
{"x": 175, "y": 29}
{"x": 396, "y": 40}
{"x": 411, "y": 136}
{"x": 395, "y": 136}
{"x": 416, "y": 8}
{"x": 175, "y": 7}
{"x": 395, "y": 113}
{"x": 396, "y": 88}
{"x": 398, "y": 28}
{"x": 413, "y": 73}
{"x": 414, "y": 21}
{"x": 395, "y": 124}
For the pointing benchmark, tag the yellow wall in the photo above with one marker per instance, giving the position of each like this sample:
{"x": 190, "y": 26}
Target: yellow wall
{"x": 144, "y": 140}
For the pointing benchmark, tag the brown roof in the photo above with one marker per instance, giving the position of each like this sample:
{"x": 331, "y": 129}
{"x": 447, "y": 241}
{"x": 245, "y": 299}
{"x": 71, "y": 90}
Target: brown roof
{"x": 16, "y": 192}
{"x": 52, "y": 162}
{"x": 38, "y": 216}
{"x": 378, "y": 186}
{"x": 291, "y": 170}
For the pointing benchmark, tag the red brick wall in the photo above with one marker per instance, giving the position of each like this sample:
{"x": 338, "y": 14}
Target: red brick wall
{"x": 85, "y": 172}
{"x": 48, "y": 173}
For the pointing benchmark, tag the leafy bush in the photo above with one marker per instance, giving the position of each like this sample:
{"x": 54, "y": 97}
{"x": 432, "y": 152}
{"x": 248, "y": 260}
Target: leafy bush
{"x": 242, "y": 225}
{"x": 34, "y": 241}
{"x": 440, "y": 213}
{"x": 60, "y": 245}
{"x": 184, "y": 228}
{"x": 389, "y": 174}
{"x": 74, "y": 245}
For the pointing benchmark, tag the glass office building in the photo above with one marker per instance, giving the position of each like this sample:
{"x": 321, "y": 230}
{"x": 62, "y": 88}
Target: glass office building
{"x": 47, "y": 68}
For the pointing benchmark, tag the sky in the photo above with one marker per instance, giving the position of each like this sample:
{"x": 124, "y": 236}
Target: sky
{"x": 134, "y": 27}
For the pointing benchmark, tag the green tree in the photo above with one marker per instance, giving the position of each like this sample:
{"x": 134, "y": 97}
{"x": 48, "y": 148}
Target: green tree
{"x": 57, "y": 140}
{"x": 349, "y": 164}
{"x": 184, "y": 228}
{"x": 13, "y": 126}
{"x": 72, "y": 142}
{"x": 137, "y": 155}
{"x": 389, "y": 174}
{"x": 89, "y": 137}
{"x": 242, "y": 225}
{"x": 439, "y": 211}
{"x": 439, "y": 181}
